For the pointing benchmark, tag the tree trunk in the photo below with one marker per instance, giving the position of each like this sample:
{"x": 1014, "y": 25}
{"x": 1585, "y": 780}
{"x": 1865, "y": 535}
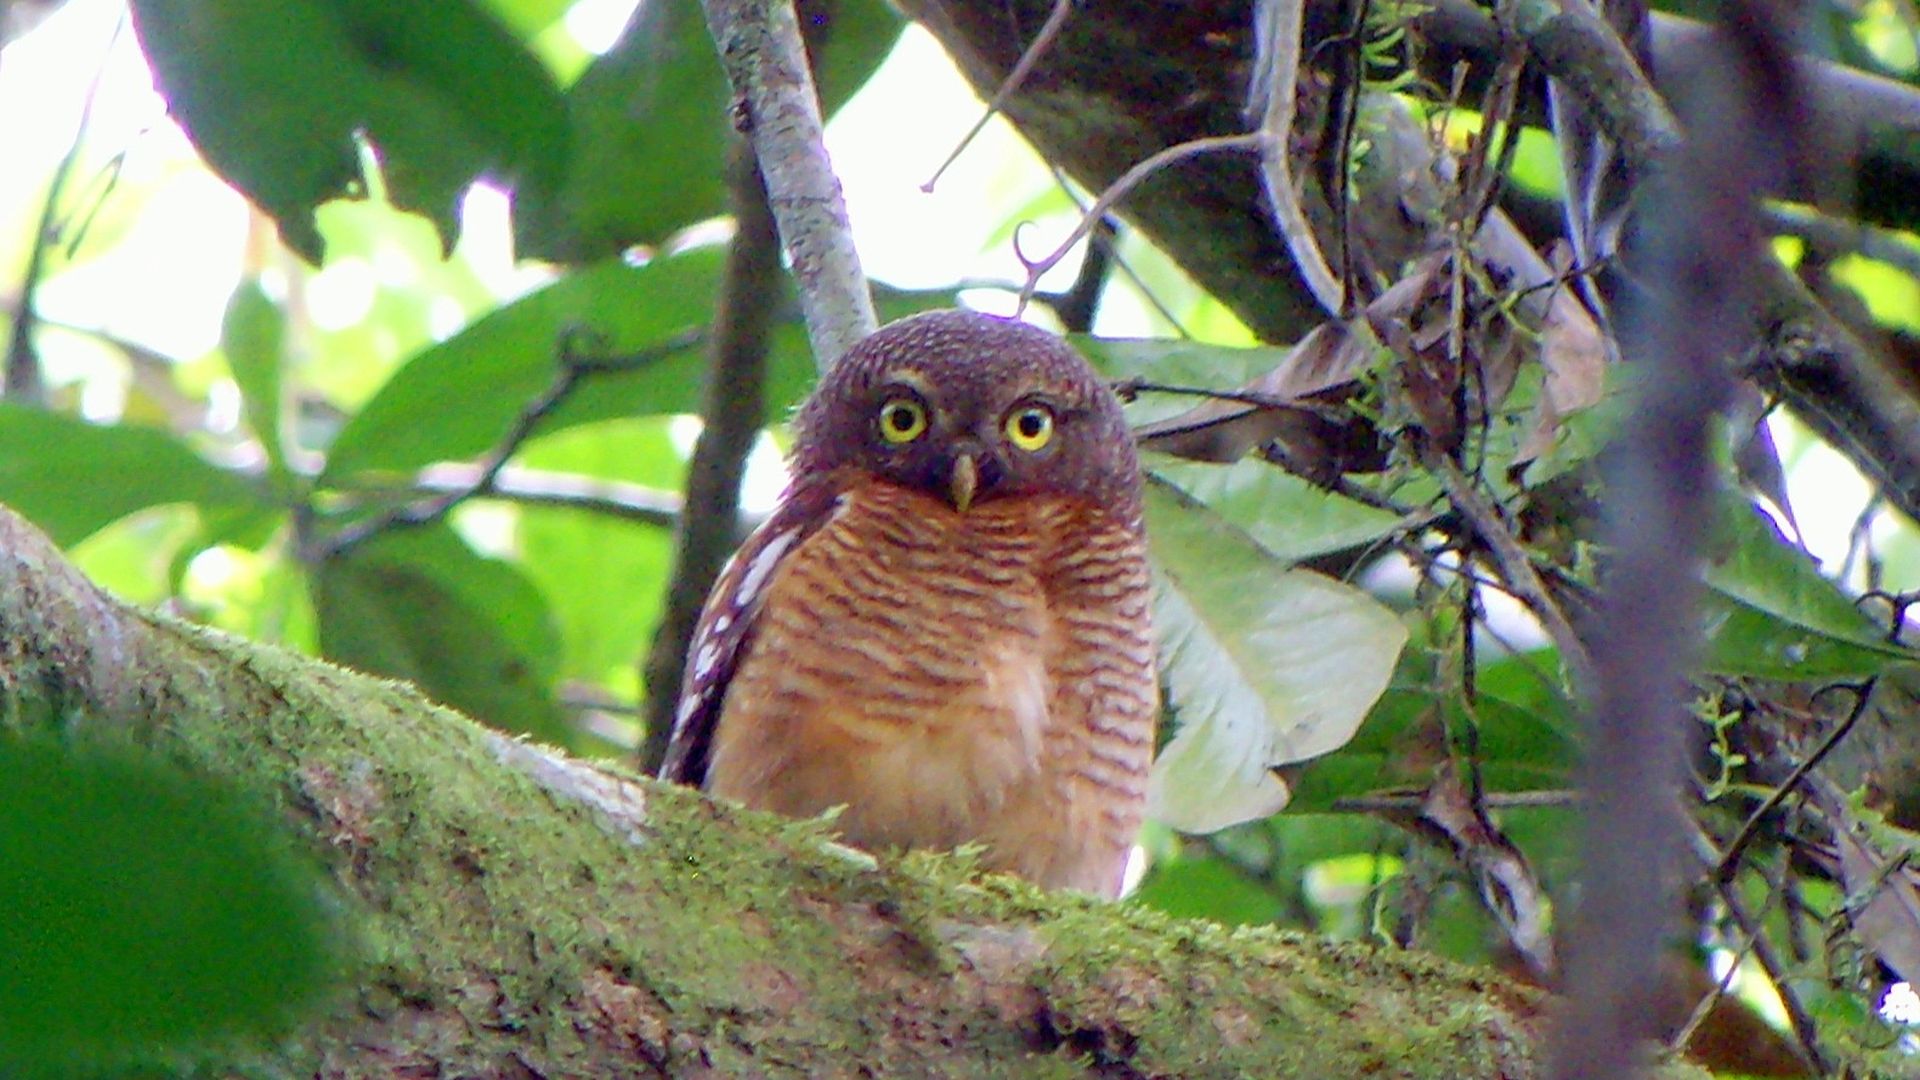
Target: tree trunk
{"x": 520, "y": 913}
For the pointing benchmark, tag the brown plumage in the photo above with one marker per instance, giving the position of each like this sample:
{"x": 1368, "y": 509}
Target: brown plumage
{"x": 943, "y": 627}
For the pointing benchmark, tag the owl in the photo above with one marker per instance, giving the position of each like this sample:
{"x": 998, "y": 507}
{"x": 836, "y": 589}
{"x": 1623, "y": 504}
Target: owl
{"x": 943, "y": 627}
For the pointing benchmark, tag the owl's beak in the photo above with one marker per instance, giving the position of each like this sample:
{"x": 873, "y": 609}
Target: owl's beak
{"x": 965, "y": 478}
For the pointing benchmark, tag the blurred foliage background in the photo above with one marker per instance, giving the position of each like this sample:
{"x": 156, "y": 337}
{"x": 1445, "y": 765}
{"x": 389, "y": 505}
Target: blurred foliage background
{"x": 272, "y": 351}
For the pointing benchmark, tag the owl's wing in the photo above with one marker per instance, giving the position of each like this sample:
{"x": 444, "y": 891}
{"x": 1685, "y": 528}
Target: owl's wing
{"x": 726, "y": 628}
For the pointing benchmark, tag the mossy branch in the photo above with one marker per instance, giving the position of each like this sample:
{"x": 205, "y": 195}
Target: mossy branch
{"x": 522, "y": 913}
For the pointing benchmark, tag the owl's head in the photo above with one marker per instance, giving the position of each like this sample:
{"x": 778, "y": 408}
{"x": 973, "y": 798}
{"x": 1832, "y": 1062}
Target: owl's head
{"x": 970, "y": 409}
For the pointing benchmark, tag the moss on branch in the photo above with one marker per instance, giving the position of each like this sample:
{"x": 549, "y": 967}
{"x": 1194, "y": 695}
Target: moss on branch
{"x": 520, "y": 913}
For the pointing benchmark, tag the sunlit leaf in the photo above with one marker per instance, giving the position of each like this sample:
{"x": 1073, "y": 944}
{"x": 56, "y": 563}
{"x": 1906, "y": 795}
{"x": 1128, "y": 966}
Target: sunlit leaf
{"x": 1288, "y": 516}
{"x": 276, "y": 93}
{"x": 458, "y": 398}
{"x": 606, "y": 618}
{"x": 1770, "y": 613}
{"x": 471, "y": 632}
{"x": 650, "y": 128}
{"x": 253, "y": 338}
{"x": 71, "y": 477}
{"x": 150, "y": 914}
{"x": 1263, "y": 665}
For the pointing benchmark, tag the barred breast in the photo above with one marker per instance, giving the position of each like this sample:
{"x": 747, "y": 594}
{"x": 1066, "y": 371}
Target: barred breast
{"x": 952, "y": 678}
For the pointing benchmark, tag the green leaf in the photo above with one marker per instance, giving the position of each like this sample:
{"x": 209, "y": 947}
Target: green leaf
{"x": 649, "y": 124}
{"x": 606, "y": 618}
{"x": 1289, "y": 516}
{"x": 456, "y": 399}
{"x": 471, "y": 632}
{"x": 1263, "y": 665}
{"x": 1525, "y": 736}
{"x": 150, "y": 914}
{"x": 1208, "y": 888}
{"x": 71, "y": 477}
{"x": 253, "y": 338}
{"x": 1175, "y": 363}
{"x": 1769, "y": 612}
{"x": 275, "y": 94}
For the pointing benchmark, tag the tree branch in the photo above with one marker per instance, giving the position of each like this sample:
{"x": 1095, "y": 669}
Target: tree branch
{"x": 1702, "y": 241}
{"x": 776, "y": 106}
{"x": 523, "y": 913}
{"x": 736, "y": 377}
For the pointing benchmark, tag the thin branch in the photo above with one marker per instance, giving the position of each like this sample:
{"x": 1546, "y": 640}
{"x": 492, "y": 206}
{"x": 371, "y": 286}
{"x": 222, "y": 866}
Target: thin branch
{"x": 1128, "y": 389}
{"x": 1493, "y": 800}
{"x": 1522, "y": 580}
{"x": 1030, "y": 56}
{"x": 776, "y": 106}
{"x": 1729, "y": 861}
{"x": 1126, "y": 269}
{"x": 1076, "y": 306}
{"x": 1277, "y": 27}
{"x": 573, "y": 367}
{"x": 1805, "y": 1030}
{"x": 1119, "y": 189}
{"x": 733, "y": 410}
{"x": 20, "y": 377}
{"x": 635, "y": 503}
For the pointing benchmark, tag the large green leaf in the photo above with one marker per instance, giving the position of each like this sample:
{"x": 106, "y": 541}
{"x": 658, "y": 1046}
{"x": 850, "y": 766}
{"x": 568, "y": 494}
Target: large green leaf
{"x": 71, "y": 477}
{"x": 276, "y": 94}
{"x": 649, "y": 129}
{"x": 1290, "y": 517}
{"x": 1263, "y": 665}
{"x": 1186, "y": 364}
{"x": 150, "y": 915}
{"x": 457, "y": 398}
{"x": 473, "y": 633}
{"x": 1770, "y": 613}
{"x": 1524, "y": 735}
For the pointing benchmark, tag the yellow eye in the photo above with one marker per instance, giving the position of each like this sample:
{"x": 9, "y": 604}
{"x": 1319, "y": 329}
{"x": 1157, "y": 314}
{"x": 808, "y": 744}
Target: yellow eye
{"x": 902, "y": 420}
{"x": 1030, "y": 428}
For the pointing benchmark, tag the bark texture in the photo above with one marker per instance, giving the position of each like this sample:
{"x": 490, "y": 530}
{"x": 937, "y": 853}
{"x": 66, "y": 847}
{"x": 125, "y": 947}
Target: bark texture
{"x": 522, "y": 914}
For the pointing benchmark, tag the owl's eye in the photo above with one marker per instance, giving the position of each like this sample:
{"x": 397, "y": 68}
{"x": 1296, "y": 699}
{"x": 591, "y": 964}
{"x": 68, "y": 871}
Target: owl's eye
{"x": 902, "y": 420}
{"x": 1030, "y": 428}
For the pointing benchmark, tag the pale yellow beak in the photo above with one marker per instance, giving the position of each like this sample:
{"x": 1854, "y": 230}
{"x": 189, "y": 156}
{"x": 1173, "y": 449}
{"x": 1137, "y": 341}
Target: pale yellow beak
{"x": 966, "y": 477}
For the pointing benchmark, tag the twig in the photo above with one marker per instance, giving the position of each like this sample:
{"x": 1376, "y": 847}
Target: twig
{"x": 1126, "y": 269}
{"x": 1805, "y": 1029}
{"x": 1515, "y": 567}
{"x": 736, "y": 376}
{"x": 1077, "y": 305}
{"x": 20, "y": 378}
{"x": 1037, "y": 268}
{"x": 1030, "y": 56}
{"x": 533, "y": 487}
{"x": 1729, "y": 862}
{"x": 776, "y": 106}
{"x": 1495, "y": 800}
{"x": 1277, "y": 28}
{"x": 1127, "y": 389}
{"x": 1683, "y": 1038}
{"x": 573, "y": 367}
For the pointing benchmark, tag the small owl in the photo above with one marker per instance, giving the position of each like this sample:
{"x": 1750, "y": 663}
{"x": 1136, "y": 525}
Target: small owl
{"x": 943, "y": 626}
